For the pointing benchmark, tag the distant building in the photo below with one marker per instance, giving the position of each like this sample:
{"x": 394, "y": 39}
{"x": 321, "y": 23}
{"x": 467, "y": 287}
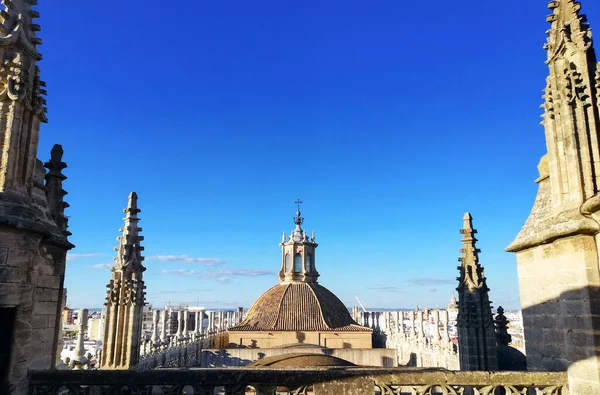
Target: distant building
{"x": 67, "y": 316}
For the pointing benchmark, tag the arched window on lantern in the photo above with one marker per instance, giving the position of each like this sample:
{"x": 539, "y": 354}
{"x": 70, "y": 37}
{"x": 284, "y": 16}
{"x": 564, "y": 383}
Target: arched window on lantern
{"x": 309, "y": 263}
{"x": 288, "y": 263}
{"x": 298, "y": 263}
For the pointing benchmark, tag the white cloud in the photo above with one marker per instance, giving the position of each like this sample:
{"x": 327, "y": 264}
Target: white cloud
{"x": 188, "y": 259}
{"x": 237, "y": 272}
{"x": 224, "y": 276}
{"x": 430, "y": 281}
{"x": 179, "y": 272}
{"x": 104, "y": 266}
{"x": 72, "y": 257}
{"x": 382, "y": 287}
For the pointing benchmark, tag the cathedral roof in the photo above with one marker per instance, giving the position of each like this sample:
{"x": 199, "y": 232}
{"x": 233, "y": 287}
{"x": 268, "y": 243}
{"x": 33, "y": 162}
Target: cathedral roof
{"x": 298, "y": 306}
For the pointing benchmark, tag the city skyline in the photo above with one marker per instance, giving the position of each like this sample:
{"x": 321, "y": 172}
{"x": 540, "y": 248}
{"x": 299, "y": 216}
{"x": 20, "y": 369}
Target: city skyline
{"x": 220, "y": 129}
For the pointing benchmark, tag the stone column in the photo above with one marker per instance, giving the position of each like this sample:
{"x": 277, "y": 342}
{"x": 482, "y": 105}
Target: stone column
{"x": 435, "y": 336}
{"x": 185, "y": 324}
{"x": 155, "y": 337}
{"x": 399, "y": 316}
{"x": 201, "y": 321}
{"x": 79, "y": 360}
{"x": 179, "y": 324}
{"x": 412, "y": 329}
{"x": 420, "y": 333}
{"x": 197, "y": 323}
{"x": 240, "y": 315}
{"x": 163, "y": 329}
{"x": 446, "y": 333}
{"x": 211, "y": 322}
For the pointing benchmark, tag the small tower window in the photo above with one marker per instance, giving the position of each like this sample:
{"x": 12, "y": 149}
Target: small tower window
{"x": 288, "y": 263}
{"x": 309, "y": 263}
{"x": 298, "y": 263}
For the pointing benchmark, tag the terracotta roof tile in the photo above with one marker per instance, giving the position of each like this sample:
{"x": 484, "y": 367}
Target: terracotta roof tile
{"x": 298, "y": 307}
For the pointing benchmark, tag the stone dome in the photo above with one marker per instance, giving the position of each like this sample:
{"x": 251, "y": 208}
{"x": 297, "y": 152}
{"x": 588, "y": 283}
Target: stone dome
{"x": 298, "y": 306}
{"x": 300, "y": 360}
{"x": 511, "y": 359}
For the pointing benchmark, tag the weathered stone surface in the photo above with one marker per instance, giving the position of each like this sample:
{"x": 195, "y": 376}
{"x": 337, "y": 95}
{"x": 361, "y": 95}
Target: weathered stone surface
{"x": 557, "y": 248}
{"x": 323, "y": 380}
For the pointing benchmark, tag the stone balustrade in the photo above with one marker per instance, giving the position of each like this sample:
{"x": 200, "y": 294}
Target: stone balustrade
{"x": 288, "y": 381}
{"x": 181, "y": 351}
{"x": 421, "y": 338}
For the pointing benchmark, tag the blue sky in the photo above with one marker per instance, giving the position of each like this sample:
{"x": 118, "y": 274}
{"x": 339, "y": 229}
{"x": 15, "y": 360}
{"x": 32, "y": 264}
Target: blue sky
{"x": 388, "y": 119}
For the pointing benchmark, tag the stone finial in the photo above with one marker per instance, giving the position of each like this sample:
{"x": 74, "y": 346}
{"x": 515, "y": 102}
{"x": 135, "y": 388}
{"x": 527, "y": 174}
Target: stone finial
{"x": 16, "y": 24}
{"x": 503, "y": 338}
{"x": 298, "y": 220}
{"x": 568, "y": 27}
{"x": 54, "y": 188}
{"x": 79, "y": 360}
{"x": 129, "y": 249}
{"x": 471, "y": 272}
{"x": 297, "y": 234}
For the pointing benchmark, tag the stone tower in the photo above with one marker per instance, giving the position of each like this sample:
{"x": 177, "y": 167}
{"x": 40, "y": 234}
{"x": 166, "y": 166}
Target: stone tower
{"x": 557, "y": 249}
{"x": 125, "y": 297}
{"x": 298, "y": 254}
{"x": 33, "y": 228}
{"x": 476, "y": 334}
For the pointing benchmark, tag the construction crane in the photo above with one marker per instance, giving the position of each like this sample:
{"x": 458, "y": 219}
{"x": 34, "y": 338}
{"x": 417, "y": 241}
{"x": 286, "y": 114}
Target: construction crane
{"x": 361, "y": 305}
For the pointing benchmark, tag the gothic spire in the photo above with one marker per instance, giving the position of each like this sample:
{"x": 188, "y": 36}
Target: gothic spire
{"x": 571, "y": 117}
{"x": 471, "y": 272}
{"x": 129, "y": 249}
{"x": 125, "y": 297}
{"x": 476, "y": 336}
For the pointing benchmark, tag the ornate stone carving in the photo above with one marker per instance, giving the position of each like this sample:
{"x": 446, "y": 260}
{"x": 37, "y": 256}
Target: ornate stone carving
{"x": 14, "y": 78}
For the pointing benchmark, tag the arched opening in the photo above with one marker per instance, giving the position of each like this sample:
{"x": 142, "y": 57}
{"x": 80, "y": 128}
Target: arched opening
{"x": 288, "y": 263}
{"x": 298, "y": 263}
{"x": 309, "y": 263}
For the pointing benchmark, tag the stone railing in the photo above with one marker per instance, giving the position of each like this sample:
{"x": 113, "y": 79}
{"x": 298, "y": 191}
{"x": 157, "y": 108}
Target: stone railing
{"x": 178, "y": 353}
{"x": 421, "y": 338}
{"x": 318, "y": 381}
